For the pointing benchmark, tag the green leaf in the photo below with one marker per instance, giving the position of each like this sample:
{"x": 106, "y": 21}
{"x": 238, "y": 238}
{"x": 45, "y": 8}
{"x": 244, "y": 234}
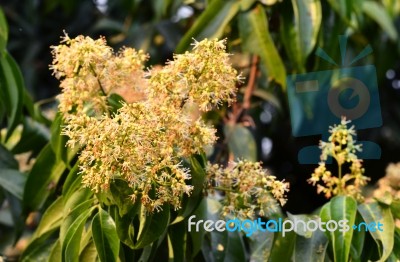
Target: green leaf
{"x": 198, "y": 237}
{"x": 89, "y": 253}
{"x": 211, "y": 23}
{"x": 51, "y": 219}
{"x": 115, "y": 101}
{"x": 241, "y": 142}
{"x": 120, "y": 190}
{"x": 340, "y": 208}
{"x": 378, "y": 13}
{"x": 55, "y": 254}
{"x": 283, "y": 246}
{"x": 73, "y": 182}
{"x": 300, "y": 36}
{"x": 3, "y": 32}
{"x": 312, "y": 248}
{"x": 177, "y": 242}
{"x": 42, "y": 179}
{"x": 13, "y": 181}
{"x": 374, "y": 213}
{"x": 152, "y": 227}
{"x": 7, "y": 159}
{"x": 357, "y": 243}
{"x": 254, "y": 32}
{"x": 124, "y": 224}
{"x": 38, "y": 250}
{"x": 300, "y": 230}
{"x": 74, "y": 206}
{"x": 260, "y": 245}
{"x": 71, "y": 244}
{"x": 33, "y": 138}
{"x": 12, "y": 87}
{"x": 58, "y": 142}
{"x": 105, "y": 236}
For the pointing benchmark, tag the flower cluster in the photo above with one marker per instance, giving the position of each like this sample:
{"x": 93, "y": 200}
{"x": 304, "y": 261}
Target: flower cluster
{"x": 342, "y": 147}
{"x": 248, "y": 188}
{"x": 390, "y": 183}
{"x": 205, "y": 77}
{"x": 145, "y": 140}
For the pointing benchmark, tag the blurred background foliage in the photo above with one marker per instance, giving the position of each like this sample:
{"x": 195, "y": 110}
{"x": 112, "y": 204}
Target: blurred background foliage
{"x": 280, "y": 36}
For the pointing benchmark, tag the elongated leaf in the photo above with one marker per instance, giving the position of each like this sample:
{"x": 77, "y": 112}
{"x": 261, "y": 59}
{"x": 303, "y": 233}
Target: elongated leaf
{"x": 283, "y": 247}
{"x": 58, "y": 142}
{"x": 89, "y": 253}
{"x": 357, "y": 243}
{"x": 119, "y": 191}
{"x": 310, "y": 249}
{"x": 300, "y": 37}
{"x": 3, "y": 32}
{"x": 124, "y": 224}
{"x": 12, "y": 86}
{"x": 55, "y": 254}
{"x": 375, "y": 213}
{"x": 105, "y": 236}
{"x": 338, "y": 209}
{"x": 71, "y": 245}
{"x": 38, "y": 250}
{"x": 33, "y": 138}
{"x": 378, "y": 13}
{"x": 13, "y": 181}
{"x": 211, "y": 22}
{"x": 241, "y": 142}
{"x": 307, "y": 15}
{"x": 51, "y": 219}
{"x": 7, "y": 159}
{"x": 152, "y": 226}
{"x": 254, "y": 32}
{"x": 43, "y": 178}
{"x": 260, "y": 245}
{"x": 75, "y": 205}
{"x": 177, "y": 242}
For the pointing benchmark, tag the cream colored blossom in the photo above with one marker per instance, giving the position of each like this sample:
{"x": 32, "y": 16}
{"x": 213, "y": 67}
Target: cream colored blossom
{"x": 249, "y": 189}
{"x": 342, "y": 147}
{"x": 146, "y": 140}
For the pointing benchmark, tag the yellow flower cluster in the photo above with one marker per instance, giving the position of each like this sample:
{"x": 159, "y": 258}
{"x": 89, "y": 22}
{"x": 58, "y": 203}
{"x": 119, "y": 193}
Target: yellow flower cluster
{"x": 342, "y": 147}
{"x": 145, "y": 140}
{"x": 249, "y": 189}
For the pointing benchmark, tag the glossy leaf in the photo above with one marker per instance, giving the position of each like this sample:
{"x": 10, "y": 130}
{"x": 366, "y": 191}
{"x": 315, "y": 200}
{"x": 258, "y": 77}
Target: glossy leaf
{"x": 105, "y": 236}
{"x": 89, "y": 253}
{"x": 42, "y": 179}
{"x": 70, "y": 246}
{"x": 283, "y": 246}
{"x": 241, "y": 142}
{"x": 377, "y": 12}
{"x": 55, "y": 254}
{"x": 12, "y": 86}
{"x": 312, "y": 248}
{"x": 374, "y": 213}
{"x": 300, "y": 36}
{"x": 33, "y": 138}
{"x": 7, "y": 159}
{"x": 357, "y": 243}
{"x": 211, "y": 23}
{"x": 38, "y": 250}
{"x": 3, "y": 32}
{"x": 51, "y": 219}
{"x": 340, "y": 208}
{"x": 152, "y": 226}
{"x": 177, "y": 242}
{"x": 13, "y": 181}
{"x": 254, "y": 32}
